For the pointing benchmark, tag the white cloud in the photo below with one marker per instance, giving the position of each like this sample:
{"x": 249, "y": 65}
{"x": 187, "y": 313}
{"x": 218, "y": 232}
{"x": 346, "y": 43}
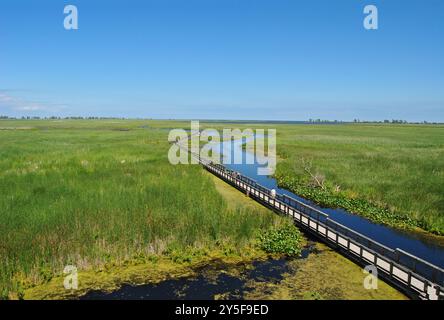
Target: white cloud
{"x": 5, "y": 98}
{"x": 13, "y": 103}
{"x": 31, "y": 107}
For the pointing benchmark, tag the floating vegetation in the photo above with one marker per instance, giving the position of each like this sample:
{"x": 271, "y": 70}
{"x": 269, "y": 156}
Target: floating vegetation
{"x": 285, "y": 239}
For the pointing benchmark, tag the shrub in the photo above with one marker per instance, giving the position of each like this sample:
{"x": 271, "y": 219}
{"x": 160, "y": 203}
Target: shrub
{"x": 285, "y": 240}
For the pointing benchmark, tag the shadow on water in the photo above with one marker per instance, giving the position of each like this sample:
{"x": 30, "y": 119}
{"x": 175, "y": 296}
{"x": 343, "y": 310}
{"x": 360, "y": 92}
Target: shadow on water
{"x": 216, "y": 280}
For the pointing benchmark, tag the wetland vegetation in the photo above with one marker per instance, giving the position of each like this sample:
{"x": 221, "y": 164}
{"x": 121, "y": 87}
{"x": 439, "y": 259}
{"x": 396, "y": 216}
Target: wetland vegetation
{"x": 96, "y": 194}
{"x": 391, "y": 174}
{"x": 101, "y": 195}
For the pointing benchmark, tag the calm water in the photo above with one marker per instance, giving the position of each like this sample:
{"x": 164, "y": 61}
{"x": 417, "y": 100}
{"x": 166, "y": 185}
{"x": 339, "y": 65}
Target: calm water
{"x": 211, "y": 281}
{"x": 414, "y": 243}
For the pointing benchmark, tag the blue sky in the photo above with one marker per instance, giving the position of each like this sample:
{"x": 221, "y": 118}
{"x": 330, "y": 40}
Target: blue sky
{"x": 223, "y": 59}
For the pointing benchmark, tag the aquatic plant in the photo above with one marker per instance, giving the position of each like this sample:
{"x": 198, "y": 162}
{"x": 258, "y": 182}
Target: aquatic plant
{"x": 331, "y": 198}
{"x": 284, "y": 239}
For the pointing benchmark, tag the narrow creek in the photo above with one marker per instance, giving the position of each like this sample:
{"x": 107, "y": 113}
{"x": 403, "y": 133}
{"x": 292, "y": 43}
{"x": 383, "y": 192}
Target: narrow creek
{"x": 420, "y": 245}
{"x": 213, "y": 281}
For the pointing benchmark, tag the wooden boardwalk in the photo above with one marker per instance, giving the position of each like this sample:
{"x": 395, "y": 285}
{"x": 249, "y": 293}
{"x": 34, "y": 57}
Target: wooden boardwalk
{"x": 410, "y": 274}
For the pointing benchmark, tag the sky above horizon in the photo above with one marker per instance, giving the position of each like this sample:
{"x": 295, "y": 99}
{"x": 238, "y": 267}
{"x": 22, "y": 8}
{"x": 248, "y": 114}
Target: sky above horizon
{"x": 223, "y": 59}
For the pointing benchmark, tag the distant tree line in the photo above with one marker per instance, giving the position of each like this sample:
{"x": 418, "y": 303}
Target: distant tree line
{"x": 324, "y": 121}
{"x": 396, "y": 121}
{"x": 393, "y": 121}
{"x": 61, "y": 118}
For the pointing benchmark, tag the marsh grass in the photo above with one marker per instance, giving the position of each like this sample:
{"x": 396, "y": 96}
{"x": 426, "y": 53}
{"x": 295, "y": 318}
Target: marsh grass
{"x": 92, "y": 193}
{"x": 101, "y": 193}
{"x": 392, "y": 174}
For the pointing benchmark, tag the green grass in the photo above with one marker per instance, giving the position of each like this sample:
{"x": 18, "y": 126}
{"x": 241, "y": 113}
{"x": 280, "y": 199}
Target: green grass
{"x": 391, "y": 174}
{"x": 90, "y": 193}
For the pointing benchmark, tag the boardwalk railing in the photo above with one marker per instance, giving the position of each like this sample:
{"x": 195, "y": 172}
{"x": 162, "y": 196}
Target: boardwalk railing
{"x": 414, "y": 276}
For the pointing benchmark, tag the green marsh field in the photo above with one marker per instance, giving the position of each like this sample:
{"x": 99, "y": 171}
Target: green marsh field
{"x": 101, "y": 195}
{"x": 98, "y": 193}
{"x": 391, "y": 174}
